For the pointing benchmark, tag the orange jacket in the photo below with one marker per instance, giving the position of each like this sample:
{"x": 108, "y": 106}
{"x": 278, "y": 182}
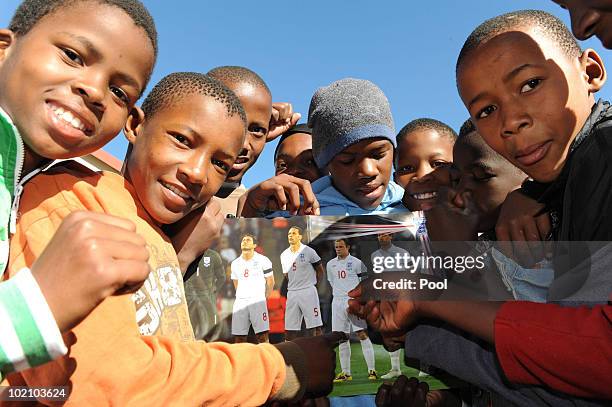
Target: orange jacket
{"x": 109, "y": 362}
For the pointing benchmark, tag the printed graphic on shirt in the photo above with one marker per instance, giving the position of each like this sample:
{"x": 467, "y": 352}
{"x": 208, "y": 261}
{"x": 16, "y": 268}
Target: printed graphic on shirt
{"x": 343, "y": 274}
{"x": 250, "y": 276}
{"x": 299, "y": 267}
{"x": 160, "y": 305}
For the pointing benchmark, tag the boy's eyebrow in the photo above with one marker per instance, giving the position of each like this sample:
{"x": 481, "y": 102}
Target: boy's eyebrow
{"x": 506, "y": 78}
{"x": 516, "y": 71}
{"x": 93, "y": 51}
{"x": 185, "y": 128}
{"x": 91, "y": 48}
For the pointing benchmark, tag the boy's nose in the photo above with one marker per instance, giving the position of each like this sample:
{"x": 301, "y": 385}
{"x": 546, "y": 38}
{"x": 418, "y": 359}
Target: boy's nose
{"x": 195, "y": 170}
{"x": 368, "y": 168}
{"x": 515, "y": 119}
{"x": 423, "y": 173}
{"x": 92, "y": 90}
{"x": 463, "y": 185}
{"x": 583, "y": 22}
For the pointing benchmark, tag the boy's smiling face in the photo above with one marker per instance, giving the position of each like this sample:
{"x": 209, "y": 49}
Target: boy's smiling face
{"x": 257, "y": 104}
{"x": 361, "y": 172}
{"x": 70, "y": 82}
{"x": 181, "y": 155}
{"x": 528, "y": 98}
{"x": 423, "y": 158}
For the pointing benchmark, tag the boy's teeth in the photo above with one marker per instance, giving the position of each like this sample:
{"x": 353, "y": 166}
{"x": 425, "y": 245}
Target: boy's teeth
{"x": 425, "y": 195}
{"x": 68, "y": 118}
{"x": 176, "y": 191}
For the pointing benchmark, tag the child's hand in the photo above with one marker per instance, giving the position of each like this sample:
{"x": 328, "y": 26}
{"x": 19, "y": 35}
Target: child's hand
{"x": 519, "y": 223}
{"x": 412, "y": 393}
{"x": 390, "y": 318}
{"x": 90, "y": 257}
{"x": 321, "y": 362}
{"x": 282, "y": 119}
{"x": 455, "y": 217}
{"x": 196, "y": 232}
{"x": 281, "y": 192}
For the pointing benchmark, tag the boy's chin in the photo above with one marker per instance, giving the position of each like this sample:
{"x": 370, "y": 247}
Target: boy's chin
{"x": 368, "y": 204}
{"x": 165, "y": 217}
{"x": 544, "y": 176}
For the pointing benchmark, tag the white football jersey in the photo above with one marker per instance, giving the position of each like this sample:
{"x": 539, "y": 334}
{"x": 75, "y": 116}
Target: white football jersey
{"x": 391, "y": 252}
{"x": 298, "y": 267}
{"x": 250, "y": 276}
{"x": 342, "y": 274}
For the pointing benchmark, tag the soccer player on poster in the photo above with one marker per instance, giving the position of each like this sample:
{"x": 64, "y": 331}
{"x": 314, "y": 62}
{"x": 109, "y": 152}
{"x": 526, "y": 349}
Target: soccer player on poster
{"x": 299, "y": 263}
{"x": 253, "y": 279}
{"x": 344, "y": 273}
{"x": 388, "y": 249}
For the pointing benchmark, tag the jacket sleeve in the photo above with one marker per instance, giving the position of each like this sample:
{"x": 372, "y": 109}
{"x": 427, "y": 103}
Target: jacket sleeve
{"x": 564, "y": 348}
{"x": 30, "y": 336}
{"x": 110, "y": 363}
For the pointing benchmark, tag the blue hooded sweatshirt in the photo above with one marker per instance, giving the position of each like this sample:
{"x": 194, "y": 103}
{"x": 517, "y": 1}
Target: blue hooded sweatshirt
{"x": 333, "y": 203}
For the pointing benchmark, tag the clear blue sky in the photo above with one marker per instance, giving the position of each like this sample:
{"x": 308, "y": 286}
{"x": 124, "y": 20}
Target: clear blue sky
{"x": 407, "y": 48}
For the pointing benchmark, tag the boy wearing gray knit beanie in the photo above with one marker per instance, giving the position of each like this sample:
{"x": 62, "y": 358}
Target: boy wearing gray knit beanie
{"x": 353, "y": 137}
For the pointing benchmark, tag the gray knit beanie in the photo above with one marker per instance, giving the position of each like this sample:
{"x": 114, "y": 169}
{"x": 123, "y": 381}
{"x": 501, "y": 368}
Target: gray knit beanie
{"x": 346, "y": 112}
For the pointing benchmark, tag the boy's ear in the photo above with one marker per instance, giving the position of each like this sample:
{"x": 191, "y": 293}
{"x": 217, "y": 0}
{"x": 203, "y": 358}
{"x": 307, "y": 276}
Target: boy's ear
{"x": 134, "y": 124}
{"x": 7, "y": 38}
{"x": 594, "y": 70}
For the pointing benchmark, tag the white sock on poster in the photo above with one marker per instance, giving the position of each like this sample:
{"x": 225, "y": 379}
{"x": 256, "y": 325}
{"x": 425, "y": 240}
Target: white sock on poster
{"x": 345, "y": 356}
{"x": 368, "y": 352}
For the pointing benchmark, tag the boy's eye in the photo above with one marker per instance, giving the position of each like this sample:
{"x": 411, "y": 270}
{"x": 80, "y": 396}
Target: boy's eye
{"x": 257, "y": 131}
{"x": 486, "y": 112}
{"x": 281, "y": 166}
{"x": 530, "y": 85}
{"x": 118, "y": 92}
{"x": 72, "y": 56}
{"x": 406, "y": 169}
{"x": 482, "y": 177}
{"x": 220, "y": 164}
{"x": 180, "y": 138}
{"x": 311, "y": 163}
{"x": 441, "y": 164}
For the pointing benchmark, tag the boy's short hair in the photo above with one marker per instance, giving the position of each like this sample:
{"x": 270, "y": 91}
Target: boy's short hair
{"x": 466, "y": 128}
{"x": 238, "y": 74}
{"x": 298, "y": 128}
{"x": 548, "y": 24}
{"x": 424, "y": 123}
{"x": 30, "y": 12}
{"x": 346, "y": 112}
{"x": 174, "y": 87}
